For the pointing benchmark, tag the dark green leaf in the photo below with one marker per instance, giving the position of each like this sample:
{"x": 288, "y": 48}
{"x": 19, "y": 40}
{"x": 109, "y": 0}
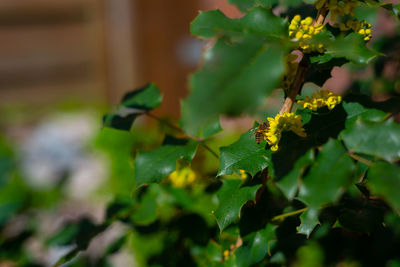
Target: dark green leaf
{"x": 153, "y": 166}
{"x": 146, "y": 98}
{"x": 244, "y": 154}
{"x": 355, "y": 110}
{"x": 234, "y": 78}
{"x": 291, "y": 182}
{"x": 231, "y": 198}
{"x": 147, "y": 210}
{"x": 384, "y": 180}
{"x": 118, "y": 121}
{"x": 379, "y": 139}
{"x": 309, "y": 219}
{"x": 328, "y": 178}
{"x": 351, "y": 47}
{"x": 256, "y": 246}
{"x": 245, "y": 5}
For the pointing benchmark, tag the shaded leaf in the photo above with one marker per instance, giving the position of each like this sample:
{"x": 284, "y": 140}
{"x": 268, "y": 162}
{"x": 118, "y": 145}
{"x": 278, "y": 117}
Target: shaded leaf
{"x": 232, "y": 196}
{"x": 327, "y": 179}
{"x": 328, "y": 176}
{"x": 118, "y": 121}
{"x": 238, "y": 72}
{"x": 256, "y": 246}
{"x": 153, "y": 166}
{"x": 244, "y": 154}
{"x": 146, "y": 212}
{"x": 145, "y": 98}
{"x": 309, "y": 219}
{"x": 259, "y": 21}
{"x": 291, "y": 182}
{"x": 352, "y": 47}
{"x": 245, "y": 5}
{"x": 379, "y": 139}
{"x": 384, "y": 180}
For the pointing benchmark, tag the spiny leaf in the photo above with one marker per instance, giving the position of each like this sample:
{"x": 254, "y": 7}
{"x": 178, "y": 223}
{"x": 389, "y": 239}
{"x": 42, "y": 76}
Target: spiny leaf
{"x": 235, "y": 78}
{"x": 256, "y": 246}
{"x": 133, "y": 104}
{"x": 384, "y": 180}
{"x": 145, "y": 98}
{"x": 290, "y": 183}
{"x": 153, "y": 166}
{"x": 259, "y": 21}
{"x": 351, "y": 47}
{"x": 118, "y": 121}
{"x": 329, "y": 176}
{"x": 232, "y": 196}
{"x": 379, "y": 139}
{"x": 244, "y": 154}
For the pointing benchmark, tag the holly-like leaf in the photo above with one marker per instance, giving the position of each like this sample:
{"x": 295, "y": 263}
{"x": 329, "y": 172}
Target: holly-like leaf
{"x": 352, "y": 47}
{"x": 132, "y": 105}
{"x": 153, "y": 166}
{"x": 309, "y": 219}
{"x": 291, "y": 182}
{"x": 232, "y": 196}
{"x": 384, "y": 180}
{"x": 328, "y": 177}
{"x": 321, "y": 69}
{"x": 145, "y": 98}
{"x": 379, "y": 139}
{"x": 119, "y": 122}
{"x": 256, "y": 246}
{"x": 259, "y": 21}
{"x": 147, "y": 209}
{"x": 244, "y": 154}
{"x": 356, "y": 111}
{"x": 239, "y": 71}
{"x": 245, "y": 5}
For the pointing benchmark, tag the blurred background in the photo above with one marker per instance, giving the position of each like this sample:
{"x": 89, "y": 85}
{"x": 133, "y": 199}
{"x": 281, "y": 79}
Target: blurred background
{"x": 63, "y": 64}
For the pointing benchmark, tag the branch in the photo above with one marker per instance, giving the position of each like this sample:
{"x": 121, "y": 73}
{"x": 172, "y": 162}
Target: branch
{"x": 301, "y": 71}
{"x": 283, "y": 216}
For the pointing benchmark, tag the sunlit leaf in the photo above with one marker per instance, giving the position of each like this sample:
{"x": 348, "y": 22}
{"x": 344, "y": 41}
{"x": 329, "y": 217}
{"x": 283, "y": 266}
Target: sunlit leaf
{"x": 244, "y": 154}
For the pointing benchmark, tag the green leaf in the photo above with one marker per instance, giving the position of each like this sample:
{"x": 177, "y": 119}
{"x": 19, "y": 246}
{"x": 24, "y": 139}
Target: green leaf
{"x": 351, "y": 47}
{"x": 118, "y": 121}
{"x": 153, "y": 166}
{"x": 256, "y": 246}
{"x": 245, "y": 5}
{"x": 309, "y": 219}
{"x": 235, "y": 78}
{"x": 244, "y": 154}
{"x": 290, "y": 183}
{"x": 379, "y": 139}
{"x": 384, "y": 180}
{"x": 133, "y": 104}
{"x": 328, "y": 176}
{"x": 239, "y": 71}
{"x": 145, "y": 98}
{"x": 327, "y": 179}
{"x": 232, "y": 196}
{"x": 147, "y": 210}
{"x": 355, "y": 111}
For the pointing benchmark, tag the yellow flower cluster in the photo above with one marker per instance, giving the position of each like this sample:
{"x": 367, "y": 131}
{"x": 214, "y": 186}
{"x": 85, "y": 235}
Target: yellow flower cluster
{"x": 362, "y": 28}
{"x": 337, "y": 7}
{"x": 282, "y": 123}
{"x": 243, "y": 174}
{"x": 182, "y": 177}
{"x": 303, "y": 31}
{"x": 290, "y": 71}
{"x": 320, "y": 99}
